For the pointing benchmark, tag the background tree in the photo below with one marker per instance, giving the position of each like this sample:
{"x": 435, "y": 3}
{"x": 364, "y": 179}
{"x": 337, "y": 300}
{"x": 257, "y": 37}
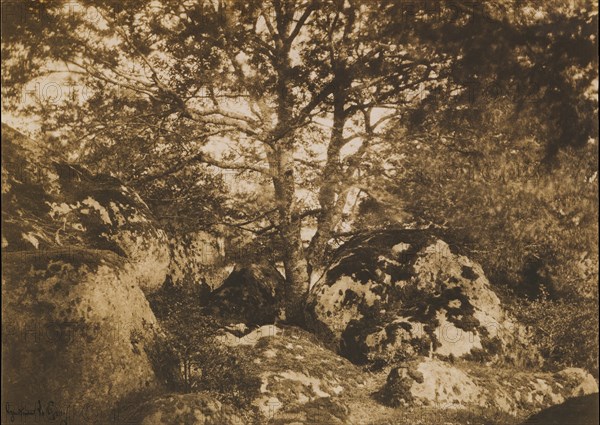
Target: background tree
{"x": 509, "y": 165}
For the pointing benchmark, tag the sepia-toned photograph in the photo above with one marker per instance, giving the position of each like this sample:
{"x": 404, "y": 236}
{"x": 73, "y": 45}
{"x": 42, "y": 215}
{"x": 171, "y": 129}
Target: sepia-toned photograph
{"x": 300, "y": 212}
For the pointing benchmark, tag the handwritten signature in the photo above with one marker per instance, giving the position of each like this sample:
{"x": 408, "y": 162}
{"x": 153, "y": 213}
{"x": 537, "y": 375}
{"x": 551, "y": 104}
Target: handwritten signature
{"x": 50, "y": 412}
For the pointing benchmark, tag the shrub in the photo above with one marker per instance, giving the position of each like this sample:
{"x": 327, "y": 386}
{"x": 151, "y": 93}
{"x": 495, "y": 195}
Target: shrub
{"x": 228, "y": 373}
{"x": 531, "y": 224}
{"x": 204, "y": 363}
{"x": 396, "y": 391}
{"x": 564, "y": 330}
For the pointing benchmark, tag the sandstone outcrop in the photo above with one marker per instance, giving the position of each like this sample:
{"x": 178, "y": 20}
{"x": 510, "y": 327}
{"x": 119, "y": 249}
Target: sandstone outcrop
{"x": 395, "y": 294}
{"x": 80, "y": 253}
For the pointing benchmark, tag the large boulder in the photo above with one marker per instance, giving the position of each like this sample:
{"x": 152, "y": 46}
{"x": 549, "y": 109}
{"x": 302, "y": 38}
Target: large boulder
{"x": 55, "y": 205}
{"x": 198, "y": 257}
{"x": 432, "y": 382}
{"x": 80, "y": 252}
{"x": 186, "y": 409}
{"x": 395, "y": 294}
{"x": 77, "y": 329}
{"x": 251, "y": 295}
{"x": 300, "y": 378}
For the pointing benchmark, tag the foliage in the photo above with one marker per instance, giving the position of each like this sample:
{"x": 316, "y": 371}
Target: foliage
{"x": 528, "y": 224}
{"x": 204, "y": 363}
{"x": 508, "y": 166}
{"x": 532, "y": 225}
{"x": 397, "y": 390}
{"x": 252, "y": 80}
{"x": 321, "y": 103}
{"x": 541, "y": 59}
{"x": 565, "y": 330}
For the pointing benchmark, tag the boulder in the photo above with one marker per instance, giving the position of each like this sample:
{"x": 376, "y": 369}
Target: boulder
{"x": 575, "y": 411}
{"x": 77, "y": 329}
{"x": 186, "y": 409}
{"x": 198, "y": 257}
{"x": 56, "y": 205}
{"x": 301, "y": 380}
{"x": 393, "y": 295}
{"x": 80, "y": 253}
{"x": 249, "y": 295}
{"x": 431, "y": 382}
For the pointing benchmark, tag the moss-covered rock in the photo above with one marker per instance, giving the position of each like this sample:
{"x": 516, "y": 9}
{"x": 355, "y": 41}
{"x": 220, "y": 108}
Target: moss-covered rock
{"x": 187, "y": 409}
{"x": 297, "y": 373}
{"x": 394, "y": 295}
{"x": 77, "y": 329}
{"x": 80, "y": 251}
{"x": 49, "y": 205}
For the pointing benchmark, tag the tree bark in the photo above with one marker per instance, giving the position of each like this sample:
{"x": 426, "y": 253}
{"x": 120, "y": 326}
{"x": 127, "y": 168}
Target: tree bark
{"x": 294, "y": 261}
{"x": 330, "y": 191}
{"x": 281, "y": 164}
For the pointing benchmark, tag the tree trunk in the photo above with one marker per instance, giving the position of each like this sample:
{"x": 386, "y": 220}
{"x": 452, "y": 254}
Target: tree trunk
{"x": 281, "y": 165}
{"x": 294, "y": 261}
{"x": 330, "y": 193}
{"x": 296, "y": 272}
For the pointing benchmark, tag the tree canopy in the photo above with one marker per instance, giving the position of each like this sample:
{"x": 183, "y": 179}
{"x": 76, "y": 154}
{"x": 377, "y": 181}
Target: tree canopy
{"x": 326, "y": 109}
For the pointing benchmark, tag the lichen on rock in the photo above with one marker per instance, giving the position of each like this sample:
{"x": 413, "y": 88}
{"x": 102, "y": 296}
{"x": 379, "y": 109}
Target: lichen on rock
{"x": 80, "y": 253}
{"x": 296, "y": 372}
{"x": 57, "y": 205}
{"x": 465, "y": 385}
{"x": 392, "y": 295}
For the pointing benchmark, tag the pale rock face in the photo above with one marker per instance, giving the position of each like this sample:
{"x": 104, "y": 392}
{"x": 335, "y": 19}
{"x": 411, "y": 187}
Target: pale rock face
{"x": 291, "y": 387}
{"x": 250, "y": 338}
{"x": 447, "y": 386}
{"x": 56, "y": 205}
{"x": 393, "y": 294}
{"x": 580, "y": 382}
{"x": 453, "y": 340}
{"x": 81, "y": 251}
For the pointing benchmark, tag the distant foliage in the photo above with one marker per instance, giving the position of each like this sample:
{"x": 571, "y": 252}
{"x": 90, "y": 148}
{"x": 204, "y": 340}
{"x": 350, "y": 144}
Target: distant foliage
{"x": 530, "y": 224}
